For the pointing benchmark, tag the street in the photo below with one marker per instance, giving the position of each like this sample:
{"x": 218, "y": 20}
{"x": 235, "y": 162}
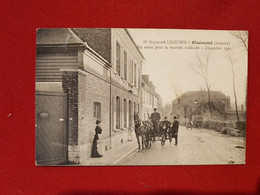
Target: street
{"x": 195, "y": 147}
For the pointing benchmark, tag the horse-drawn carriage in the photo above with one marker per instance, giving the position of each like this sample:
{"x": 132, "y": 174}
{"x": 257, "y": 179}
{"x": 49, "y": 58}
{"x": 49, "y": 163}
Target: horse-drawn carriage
{"x": 161, "y": 133}
{"x": 150, "y": 133}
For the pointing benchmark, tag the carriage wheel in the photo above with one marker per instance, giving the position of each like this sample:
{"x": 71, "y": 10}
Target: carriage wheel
{"x": 163, "y": 140}
{"x": 170, "y": 137}
{"x": 146, "y": 144}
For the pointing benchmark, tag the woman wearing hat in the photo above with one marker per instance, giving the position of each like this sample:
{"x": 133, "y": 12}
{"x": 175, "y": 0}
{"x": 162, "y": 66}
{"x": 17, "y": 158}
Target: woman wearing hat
{"x": 97, "y": 145}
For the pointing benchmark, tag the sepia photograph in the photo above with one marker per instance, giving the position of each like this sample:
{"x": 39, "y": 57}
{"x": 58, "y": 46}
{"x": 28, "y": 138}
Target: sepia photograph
{"x": 139, "y": 97}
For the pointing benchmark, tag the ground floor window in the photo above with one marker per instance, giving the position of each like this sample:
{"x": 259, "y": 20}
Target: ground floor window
{"x": 130, "y": 114}
{"x": 125, "y": 113}
{"x": 117, "y": 112}
{"x": 97, "y": 110}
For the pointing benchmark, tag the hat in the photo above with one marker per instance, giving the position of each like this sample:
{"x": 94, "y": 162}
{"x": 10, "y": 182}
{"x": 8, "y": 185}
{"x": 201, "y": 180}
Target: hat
{"x": 155, "y": 109}
{"x": 165, "y": 117}
{"x": 98, "y": 121}
{"x": 174, "y": 117}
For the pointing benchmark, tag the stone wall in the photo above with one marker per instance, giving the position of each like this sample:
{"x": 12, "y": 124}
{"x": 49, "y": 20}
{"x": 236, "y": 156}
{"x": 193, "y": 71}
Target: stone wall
{"x": 227, "y": 127}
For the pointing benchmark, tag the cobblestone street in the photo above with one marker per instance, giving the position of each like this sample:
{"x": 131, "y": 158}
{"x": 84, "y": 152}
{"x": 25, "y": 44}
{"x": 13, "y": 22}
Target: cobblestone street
{"x": 195, "y": 147}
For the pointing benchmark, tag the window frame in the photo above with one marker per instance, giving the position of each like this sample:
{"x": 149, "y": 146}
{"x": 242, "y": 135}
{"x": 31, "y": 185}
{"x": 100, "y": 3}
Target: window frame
{"x": 97, "y": 110}
{"x": 118, "y": 57}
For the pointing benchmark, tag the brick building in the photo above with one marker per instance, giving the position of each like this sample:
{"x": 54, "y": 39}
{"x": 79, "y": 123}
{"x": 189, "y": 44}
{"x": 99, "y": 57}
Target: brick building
{"x": 150, "y": 99}
{"x": 193, "y": 104}
{"x": 83, "y": 75}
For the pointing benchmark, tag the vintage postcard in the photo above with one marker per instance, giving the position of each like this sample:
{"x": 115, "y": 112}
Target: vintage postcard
{"x": 117, "y": 96}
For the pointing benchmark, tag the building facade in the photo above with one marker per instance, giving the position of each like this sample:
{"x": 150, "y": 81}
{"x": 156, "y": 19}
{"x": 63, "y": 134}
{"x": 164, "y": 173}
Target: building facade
{"x": 150, "y": 99}
{"x": 193, "y": 104}
{"x": 95, "y": 74}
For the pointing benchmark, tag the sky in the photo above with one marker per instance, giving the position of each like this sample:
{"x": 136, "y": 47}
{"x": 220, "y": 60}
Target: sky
{"x": 170, "y": 55}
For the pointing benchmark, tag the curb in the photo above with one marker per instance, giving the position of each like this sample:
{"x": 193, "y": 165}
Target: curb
{"x": 124, "y": 156}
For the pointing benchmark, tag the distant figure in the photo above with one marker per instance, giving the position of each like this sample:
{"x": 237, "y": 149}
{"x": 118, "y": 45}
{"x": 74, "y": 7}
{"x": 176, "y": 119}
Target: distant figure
{"x": 166, "y": 125}
{"x": 155, "y": 117}
{"x": 97, "y": 147}
{"x": 175, "y": 128}
{"x": 189, "y": 125}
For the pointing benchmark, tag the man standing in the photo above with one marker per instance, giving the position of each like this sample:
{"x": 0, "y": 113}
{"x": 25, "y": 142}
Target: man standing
{"x": 155, "y": 117}
{"x": 175, "y": 128}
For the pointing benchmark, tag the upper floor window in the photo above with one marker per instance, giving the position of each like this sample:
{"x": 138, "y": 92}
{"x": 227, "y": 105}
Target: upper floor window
{"x": 134, "y": 75}
{"x": 138, "y": 76}
{"x": 125, "y": 65}
{"x": 118, "y": 59}
{"x": 131, "y": 72}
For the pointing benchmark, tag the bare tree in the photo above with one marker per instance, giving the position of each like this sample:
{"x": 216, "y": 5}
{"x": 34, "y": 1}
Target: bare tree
{"x": 243, "y": 37}
{"x": 234, "y": 86}
{"x": 201, "y": 68}
{"x": 174, "y": 84}
{"x": 166, "y": 110}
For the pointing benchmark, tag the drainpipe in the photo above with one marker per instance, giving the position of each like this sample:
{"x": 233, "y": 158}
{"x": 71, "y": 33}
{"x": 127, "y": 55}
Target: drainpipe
{"x": 110, "y": 109}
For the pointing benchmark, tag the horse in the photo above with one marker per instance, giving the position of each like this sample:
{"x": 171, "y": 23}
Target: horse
{"x": 142, "y": 131}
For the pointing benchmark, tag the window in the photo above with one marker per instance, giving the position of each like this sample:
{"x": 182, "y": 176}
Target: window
{"x": 131, "y": 72}
{"x": 130, "y": 114}
{"x": 125, "y": 65}
{"x": 138, "y": 76}
{"x": 134, "y": 74}
{"x": 117, "y": 112}
{"x": 125, "y": 113}
{"x": 118, "y": 58}
{"x": 97, "y": 110}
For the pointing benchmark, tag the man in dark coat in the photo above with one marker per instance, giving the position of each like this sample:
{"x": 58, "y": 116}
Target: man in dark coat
{"x": 166, "y": 125}
{"x": 155, "y": 117}
{"x": 175, "y": 128}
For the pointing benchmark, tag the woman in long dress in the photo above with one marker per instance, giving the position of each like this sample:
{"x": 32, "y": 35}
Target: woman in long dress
{"x": 97, "y": 147}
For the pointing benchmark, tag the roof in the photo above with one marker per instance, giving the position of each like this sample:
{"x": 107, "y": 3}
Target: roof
{"x": 57, "y": 36}
{"x": 218, "y": 106}
{"x": 134, "y": 43}
{"x": 203, "y": 94}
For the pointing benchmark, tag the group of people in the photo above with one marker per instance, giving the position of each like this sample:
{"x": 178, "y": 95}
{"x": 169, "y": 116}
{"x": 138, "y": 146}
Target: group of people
{"x": 155, "y": 119}
{"x": 172, "y": 128}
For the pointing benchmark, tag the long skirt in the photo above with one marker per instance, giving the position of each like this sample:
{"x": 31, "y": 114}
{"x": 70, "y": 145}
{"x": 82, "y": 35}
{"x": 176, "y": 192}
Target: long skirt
{"x": 100, "y": 147}
{"x": 94, "y": 152}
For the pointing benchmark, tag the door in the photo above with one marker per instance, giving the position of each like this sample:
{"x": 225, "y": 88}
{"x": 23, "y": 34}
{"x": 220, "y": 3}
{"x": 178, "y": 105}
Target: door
{"x": 51, "y": 128}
